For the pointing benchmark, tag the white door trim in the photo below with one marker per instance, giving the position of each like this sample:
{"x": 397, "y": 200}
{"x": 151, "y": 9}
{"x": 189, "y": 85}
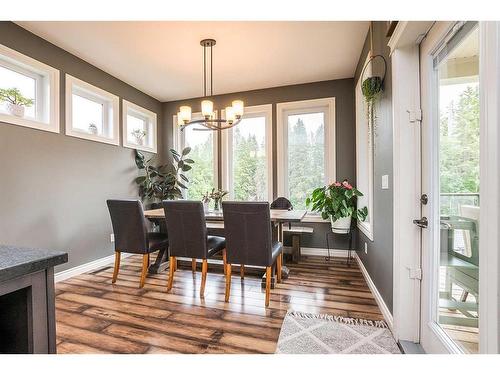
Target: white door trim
{"x": 489, "y": 230}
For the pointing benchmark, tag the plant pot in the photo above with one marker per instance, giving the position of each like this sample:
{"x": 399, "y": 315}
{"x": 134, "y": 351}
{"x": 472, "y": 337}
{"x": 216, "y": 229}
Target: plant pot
{"x": 15, "y": 109}
{"x": 139, "y": 141}
{"x": 93, "y": 129}
{"x": 217, "y": 205}
{"x": 205, "y": 207}
{"x": 342, "y": 225}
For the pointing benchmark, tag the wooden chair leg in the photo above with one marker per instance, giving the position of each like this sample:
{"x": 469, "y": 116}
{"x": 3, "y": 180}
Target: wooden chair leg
{"x": 242, "y": 271}
{"x": 175, "y": 264}
{"x": 228, "y": 281}
{"x": 279, "y": 263}
{"x": 171, "y": 274}
{"x": 268, "y": 284}
{"x": 224, "y": 260}
{"x": 117, "y": 266}
{"x": 193, "y": 264}
{"x": 145, "y": 265}
{"x": 204, "y": 270}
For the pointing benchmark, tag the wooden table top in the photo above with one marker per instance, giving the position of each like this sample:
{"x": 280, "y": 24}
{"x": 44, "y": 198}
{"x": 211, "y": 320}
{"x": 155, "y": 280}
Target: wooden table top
{"x": 276, "y": 215}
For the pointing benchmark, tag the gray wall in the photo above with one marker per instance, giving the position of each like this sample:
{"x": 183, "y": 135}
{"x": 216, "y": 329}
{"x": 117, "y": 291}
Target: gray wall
{"x": 342, "y": 90}
{"x": 378, "y": 261}
{"x": 54, "y": 187}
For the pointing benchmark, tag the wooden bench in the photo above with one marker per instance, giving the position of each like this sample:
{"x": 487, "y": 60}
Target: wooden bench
{"x": 296, "y": 232}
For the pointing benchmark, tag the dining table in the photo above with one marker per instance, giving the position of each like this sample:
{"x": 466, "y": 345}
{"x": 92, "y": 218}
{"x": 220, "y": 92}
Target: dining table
{"x": 215, "y": 221}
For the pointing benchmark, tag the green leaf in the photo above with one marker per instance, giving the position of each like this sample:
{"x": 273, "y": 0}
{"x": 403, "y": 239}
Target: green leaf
{"x": 173, "y": 152}
{"x": 189, "y": 161}
{"x": 184, "y": 177}
{"x": 186, "y": 151}
{"x": 186, "y": 168}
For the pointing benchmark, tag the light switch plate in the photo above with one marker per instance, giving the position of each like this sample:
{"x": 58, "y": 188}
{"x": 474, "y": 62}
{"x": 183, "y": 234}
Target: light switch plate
{"x": 385, "y": 181}
{"x": 112, "y": 237}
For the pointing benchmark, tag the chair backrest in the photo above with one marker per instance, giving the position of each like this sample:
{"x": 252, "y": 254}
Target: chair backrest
{"x": 129, "y": 227}
{"x": 187, "y": 229}
{"x": 281, "y": 203}
{"x": 247, "y": 226}
{"x": 471, "y": 237}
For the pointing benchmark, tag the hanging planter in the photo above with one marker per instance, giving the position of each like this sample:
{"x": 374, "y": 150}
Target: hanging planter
{"x": 371, "y": 88}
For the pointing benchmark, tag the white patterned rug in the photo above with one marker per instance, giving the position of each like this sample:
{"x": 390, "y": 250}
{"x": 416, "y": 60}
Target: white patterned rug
{"x": 303, "y": 333}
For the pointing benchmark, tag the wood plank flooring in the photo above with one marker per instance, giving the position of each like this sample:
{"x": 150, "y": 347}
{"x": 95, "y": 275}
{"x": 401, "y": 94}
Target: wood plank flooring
{"x": 95, "y": 316}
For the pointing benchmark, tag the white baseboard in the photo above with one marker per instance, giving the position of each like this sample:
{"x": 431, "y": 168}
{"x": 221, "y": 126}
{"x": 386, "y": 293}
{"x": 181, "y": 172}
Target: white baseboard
{"x": 317, "y": 251}
{"x": 380, "y": 301}
{"x": 78, "y": 270}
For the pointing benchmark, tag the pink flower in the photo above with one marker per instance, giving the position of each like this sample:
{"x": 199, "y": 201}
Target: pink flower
{"x": 337, "y": 184}
{"x": 347, "y": 185}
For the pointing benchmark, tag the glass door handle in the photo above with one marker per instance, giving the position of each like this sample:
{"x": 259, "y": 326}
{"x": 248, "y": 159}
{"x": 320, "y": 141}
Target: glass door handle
{"x": 422, "y": 223}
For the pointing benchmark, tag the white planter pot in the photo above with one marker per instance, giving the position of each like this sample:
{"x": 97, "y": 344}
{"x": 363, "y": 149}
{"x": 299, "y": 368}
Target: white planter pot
{"x": 15, "y": 109}
{"x": 342, "y": 225}
{"x": 139, "y": 141}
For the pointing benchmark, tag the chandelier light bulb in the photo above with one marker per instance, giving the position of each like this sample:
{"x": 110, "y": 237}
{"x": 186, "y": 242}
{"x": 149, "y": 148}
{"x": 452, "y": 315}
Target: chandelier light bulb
{"x": 230, "y": 116}
{"x": 180, "y": 122}
{"x": 238, "y": 107}
{"x": 207, "y": 108}
{"x": 185, "y": 113}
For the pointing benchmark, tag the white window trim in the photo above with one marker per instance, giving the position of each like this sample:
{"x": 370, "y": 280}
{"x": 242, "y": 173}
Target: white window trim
{"x": 282, "y": 134}
{"x": 265, "y": 110}
{"x": 148, "y": 116}
{"x": 364, "y": 226}
{"x": 178, "y": 144}
{"x": 106, "y": 96}
{"x": 52, "y": 125}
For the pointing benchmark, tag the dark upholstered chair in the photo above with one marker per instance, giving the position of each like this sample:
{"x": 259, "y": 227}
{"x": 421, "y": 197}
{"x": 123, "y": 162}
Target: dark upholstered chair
{"x": 281, "y": 203}
{"x": 188, "y": 237}
{"x": 249, "y": 240}
{"x": 131, "y": 235}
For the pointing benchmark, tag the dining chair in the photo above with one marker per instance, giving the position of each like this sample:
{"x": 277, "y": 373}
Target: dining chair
{"x": 249, "y": 240}
{"x": 131, "y": 234}
{"x": 188, "y": 237}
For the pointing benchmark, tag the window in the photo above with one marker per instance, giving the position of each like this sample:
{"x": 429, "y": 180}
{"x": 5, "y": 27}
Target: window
{"x": 139, "y": 128}
{"x": 203, "y": 176}
{"x": 36, "y": 83}
{"x": 364, "y": 158}
{"x": 306, "y": 148}
{"x": 91, "y": 113}
{"x": 247, "y": 169}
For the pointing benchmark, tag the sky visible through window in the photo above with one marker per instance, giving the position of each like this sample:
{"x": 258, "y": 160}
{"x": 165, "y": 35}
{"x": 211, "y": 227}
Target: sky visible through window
{"x": 86, "y": 112}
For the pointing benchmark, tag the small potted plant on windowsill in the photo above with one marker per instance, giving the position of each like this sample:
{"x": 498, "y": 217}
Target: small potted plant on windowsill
{"x": 16, "y": 102}
{"x": 206, "y": 200}
{"x": 337, "y": 202}
{"x": 139, "y": 136}
{"x": 217, "y": 196}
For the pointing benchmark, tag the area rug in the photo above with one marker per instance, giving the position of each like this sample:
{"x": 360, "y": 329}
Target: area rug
{"x": 303, "y": 333}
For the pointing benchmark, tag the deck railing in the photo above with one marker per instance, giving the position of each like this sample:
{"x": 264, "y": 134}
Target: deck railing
{"x": 451, "y": 202}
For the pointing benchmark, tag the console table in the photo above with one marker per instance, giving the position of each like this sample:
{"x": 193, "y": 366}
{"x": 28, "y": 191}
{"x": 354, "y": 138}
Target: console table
{"x": 27, "y": 299}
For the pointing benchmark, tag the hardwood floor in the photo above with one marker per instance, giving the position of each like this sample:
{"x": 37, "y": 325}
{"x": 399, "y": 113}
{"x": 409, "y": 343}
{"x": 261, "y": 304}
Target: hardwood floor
{"x": 95, "y": 316}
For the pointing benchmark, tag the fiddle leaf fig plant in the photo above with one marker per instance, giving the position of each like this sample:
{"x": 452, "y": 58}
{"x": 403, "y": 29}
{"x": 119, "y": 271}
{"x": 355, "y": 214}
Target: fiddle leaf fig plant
{"x": 164, "y": 182}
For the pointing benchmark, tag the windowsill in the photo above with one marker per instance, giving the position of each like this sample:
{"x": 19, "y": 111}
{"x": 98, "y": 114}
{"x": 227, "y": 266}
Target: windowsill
{"x": 34, "y": 124}
{"x": 144, "y": 148}
{"x": 314, "y": 218}
{"x": 92, "y": 137}
{"x": 365, "y": 228}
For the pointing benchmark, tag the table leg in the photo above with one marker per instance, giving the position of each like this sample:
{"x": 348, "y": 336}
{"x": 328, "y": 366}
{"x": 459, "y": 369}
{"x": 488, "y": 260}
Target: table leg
{"x": 161, "y": 263}
{"x": 350, "y": 248}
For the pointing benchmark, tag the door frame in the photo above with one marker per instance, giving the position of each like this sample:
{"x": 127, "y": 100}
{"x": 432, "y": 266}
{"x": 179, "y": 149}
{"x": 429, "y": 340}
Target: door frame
{"x": 434, "y": 339}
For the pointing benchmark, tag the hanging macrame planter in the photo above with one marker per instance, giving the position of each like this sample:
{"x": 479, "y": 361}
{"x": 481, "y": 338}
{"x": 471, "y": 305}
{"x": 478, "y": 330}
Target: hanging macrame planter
{"x": 372, "y": 87}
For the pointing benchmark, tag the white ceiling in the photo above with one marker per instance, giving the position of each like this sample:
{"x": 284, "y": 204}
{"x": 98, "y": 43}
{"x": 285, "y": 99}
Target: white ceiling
{"x": 164, "y": 59}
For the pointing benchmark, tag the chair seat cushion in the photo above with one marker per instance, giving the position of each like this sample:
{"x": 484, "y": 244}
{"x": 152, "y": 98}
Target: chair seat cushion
{"x": 276, "y": 250}
{"x": 157, "y": 241}
{"x": 215, "y": 244}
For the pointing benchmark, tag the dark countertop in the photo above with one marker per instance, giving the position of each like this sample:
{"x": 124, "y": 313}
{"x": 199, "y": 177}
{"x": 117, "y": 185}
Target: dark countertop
{"x": 19, "y": 261}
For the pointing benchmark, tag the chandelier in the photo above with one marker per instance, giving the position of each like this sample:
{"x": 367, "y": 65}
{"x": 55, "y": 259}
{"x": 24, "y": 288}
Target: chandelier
{"x": 233, "y": 113}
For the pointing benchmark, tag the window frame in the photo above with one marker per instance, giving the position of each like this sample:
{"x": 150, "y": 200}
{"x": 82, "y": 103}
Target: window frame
{"x": 283, "y": 110}
{"x": 149, "y": 117}
{"x": 179, "y": 143}
{"x": 265, "y": 110}
{"x": 109, "y": 101}
{"x": 364, "y": 226}
{"x": 46, "y": 89}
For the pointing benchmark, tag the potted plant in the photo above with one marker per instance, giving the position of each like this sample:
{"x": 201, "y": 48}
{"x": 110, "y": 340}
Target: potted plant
{"x": 93, "y": 128}
{"x": 16, "y": 102}
{"x": 162, "y": 182}
{"x": 337, "y": 202}
{"x": 139, "y": 135}
{"x": 217, "y": 196}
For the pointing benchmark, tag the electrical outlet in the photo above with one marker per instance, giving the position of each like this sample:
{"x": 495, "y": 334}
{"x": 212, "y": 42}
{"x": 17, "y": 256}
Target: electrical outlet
{"x": 112, "y": 237}
{"x": 366, "y": 248}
